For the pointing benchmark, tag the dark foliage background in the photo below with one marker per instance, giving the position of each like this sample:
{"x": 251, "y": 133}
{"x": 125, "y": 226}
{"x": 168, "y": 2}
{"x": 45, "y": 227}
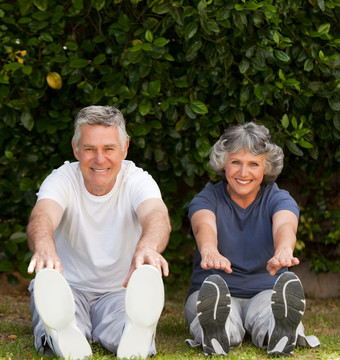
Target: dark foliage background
{"x": 181, "y": 72}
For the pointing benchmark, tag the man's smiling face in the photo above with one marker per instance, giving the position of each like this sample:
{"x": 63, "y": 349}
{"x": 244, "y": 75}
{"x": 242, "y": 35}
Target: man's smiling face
{"x": 100, "y": 157}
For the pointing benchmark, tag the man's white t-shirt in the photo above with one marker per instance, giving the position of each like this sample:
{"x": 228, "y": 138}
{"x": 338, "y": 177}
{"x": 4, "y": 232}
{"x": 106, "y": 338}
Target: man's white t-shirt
{"x": 97, "y": 236}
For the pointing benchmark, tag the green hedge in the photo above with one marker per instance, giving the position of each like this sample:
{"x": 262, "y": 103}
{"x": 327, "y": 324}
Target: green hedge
{"x": 181, "y": 72}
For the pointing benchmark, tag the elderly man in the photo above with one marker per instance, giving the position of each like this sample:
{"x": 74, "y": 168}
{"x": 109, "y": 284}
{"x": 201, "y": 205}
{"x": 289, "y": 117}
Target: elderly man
{"x": 97, "y": 233}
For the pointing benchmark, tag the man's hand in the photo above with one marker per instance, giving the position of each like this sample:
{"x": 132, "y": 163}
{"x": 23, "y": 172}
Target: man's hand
{"x": 148, "y": 256}
{"x": 47, "y": 258}
{"x": 282, "y": 257}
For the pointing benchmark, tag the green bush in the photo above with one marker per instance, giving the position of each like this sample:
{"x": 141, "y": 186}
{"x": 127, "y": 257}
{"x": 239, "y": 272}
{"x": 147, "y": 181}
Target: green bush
{"x": 181, "y": 72}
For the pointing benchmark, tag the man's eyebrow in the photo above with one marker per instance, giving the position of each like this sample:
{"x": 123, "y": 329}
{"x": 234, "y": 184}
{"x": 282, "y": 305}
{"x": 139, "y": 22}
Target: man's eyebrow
{"x": 106, "y": 145}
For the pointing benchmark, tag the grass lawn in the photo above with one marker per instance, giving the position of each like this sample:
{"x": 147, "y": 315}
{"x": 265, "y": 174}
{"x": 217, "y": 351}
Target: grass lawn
{"x": 322, "y": 318}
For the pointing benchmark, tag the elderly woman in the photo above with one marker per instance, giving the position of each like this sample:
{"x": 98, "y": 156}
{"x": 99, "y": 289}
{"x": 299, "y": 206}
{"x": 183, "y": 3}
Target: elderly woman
{"x": 245, "y": 230}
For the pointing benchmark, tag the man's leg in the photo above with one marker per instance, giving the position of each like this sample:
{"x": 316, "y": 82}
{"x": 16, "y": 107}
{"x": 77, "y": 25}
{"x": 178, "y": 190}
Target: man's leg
{"x": 108, "y": 319}
{"x": 125, "y": 322}
{"x": 53, "y": 314}
{"x": 144, "y": 302}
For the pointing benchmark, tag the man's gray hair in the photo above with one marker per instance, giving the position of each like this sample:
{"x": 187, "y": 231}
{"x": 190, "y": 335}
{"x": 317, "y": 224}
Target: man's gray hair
{"x": 252, "y": 137}
{"x": 100, "y": 115}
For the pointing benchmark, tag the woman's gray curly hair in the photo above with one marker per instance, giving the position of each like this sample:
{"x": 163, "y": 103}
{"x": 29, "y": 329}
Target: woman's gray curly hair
{"x": 252, "y": 137}
{"x": 100, "y": 115}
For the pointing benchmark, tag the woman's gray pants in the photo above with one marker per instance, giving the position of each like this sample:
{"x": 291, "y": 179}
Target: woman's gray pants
{"x": 253, "y": 316}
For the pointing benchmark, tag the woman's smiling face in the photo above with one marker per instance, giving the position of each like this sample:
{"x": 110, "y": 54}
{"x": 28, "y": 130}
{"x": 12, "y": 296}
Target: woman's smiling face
{"x": 100, "y": 157}
{"x": 244, "y": 173}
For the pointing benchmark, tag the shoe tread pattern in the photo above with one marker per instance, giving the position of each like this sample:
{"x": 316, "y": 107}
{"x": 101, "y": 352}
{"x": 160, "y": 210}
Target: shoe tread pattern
{"x": 288, "y": 306}
{"x": 213, "y": 308}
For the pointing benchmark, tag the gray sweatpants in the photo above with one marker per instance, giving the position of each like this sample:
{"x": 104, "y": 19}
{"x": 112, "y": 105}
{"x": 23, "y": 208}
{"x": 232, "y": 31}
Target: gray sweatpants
{"x": 252, "y": 316}
{"x": 100, "y": 317}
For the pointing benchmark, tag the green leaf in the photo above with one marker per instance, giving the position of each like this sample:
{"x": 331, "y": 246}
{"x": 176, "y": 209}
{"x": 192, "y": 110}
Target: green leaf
{"x": 60, "y": 59}
{"x": 244, "y": 66}
{"x": 251, "y": 5}
{"x": 308, "y": 65}
{"x": 276, "y": 37}
{"x": 27, "y": 120}
{"x": 258, "y": 90}
{"x": 334, "y": 102}
{"x": 41, "y": 4}
{"x": 293, "y": 148}
{"x": 78, "y": 63}
{"x": 18, "y": 237}
{"x": 281, "y": 75}
{"x": 285, "y": 121}
{"x": 282, "y": 56}
{"x": 6, "y": 266}
{"x": 198, "y": 107}
{"x": 27, "y": 69}
{"x": 162, "y": 8}
{"x": 149, "y": 36}
{"x": 98, "y": 4}
{"x": 13, "y": 66}
{"x": 321, "y": 4}
{"x": 190, "y": 30}
{"x": 203, "y": 146}
{"x": 305, "y": 144}
{"x": 165, "y": 105}
{"x": 147, "y": 47}
{"x": 141, "y": 130}
{"x": 4, "y": 91}
{"x": 291, "y": 82}
{"x": 324, "y": 28}
{"x": 99, "y": 59}
{"x": 78, "y": 4}
{"x": 154, "y": 87}
{"x": 144, "y": 107}
{"x": 160, "y": 42}
{"x": 181, "y": 84}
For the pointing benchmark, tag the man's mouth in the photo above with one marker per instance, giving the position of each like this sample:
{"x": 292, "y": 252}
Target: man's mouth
{"x": 99, "y": 170}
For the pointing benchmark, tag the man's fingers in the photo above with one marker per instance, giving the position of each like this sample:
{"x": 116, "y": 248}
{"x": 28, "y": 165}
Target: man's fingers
{"x": 31, "y": 266}
{"x": 38, "y": 264}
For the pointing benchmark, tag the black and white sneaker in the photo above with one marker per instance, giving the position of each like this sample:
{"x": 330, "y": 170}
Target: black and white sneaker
{"x": 288, "y": 306}
{"x": 213, "y": 308}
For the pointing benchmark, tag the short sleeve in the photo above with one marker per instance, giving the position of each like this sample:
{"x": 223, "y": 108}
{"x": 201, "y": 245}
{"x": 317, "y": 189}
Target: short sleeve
{"x": 205, "y": 200}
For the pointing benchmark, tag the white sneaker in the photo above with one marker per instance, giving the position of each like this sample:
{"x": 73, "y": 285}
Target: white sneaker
{"x": 54, "y": 302}
{"x": 144, "y": 301}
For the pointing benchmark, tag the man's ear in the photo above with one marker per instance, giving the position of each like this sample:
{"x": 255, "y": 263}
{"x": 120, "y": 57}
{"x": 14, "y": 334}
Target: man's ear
{"x": 126, "y": 148}
{"x": 75, "y": 151}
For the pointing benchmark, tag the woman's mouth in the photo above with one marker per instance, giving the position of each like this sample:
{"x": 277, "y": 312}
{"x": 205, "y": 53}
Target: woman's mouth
{"x": 243, "y": 182}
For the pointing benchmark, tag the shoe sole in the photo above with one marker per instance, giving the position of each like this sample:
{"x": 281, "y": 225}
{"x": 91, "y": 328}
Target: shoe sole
{"x": 213, "y": 308}
{"x": 288, "y": 306}
{"x": 55, "y": 304}
{"x": 144, "y": 302}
